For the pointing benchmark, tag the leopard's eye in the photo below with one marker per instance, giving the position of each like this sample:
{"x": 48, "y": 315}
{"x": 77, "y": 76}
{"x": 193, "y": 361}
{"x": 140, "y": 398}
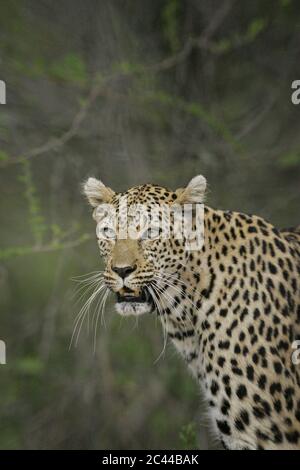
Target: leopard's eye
{"x": 108, "y": 233}
{"x": 151, "y": 233}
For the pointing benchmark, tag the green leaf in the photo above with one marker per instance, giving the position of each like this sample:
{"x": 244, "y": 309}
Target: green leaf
{"x": 285, "y": 3}
{"x": 128, "y": 67}
{"x": 170, "y": 18}
{"x": 188, "y": 436}
{"x": 222, "y": 46}
{"x": 70, "y": 69}
{"x": 290, "y": 160}
{"x": 30, "y": 365}
{"x": 255, "y": 28}
{"x": 3, "y": 156}
{"x": 56, "y": 231}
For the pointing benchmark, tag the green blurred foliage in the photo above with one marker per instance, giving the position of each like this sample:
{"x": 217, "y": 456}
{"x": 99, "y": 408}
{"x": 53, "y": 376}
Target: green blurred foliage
{"x": 223, "y": 110}
{"x": 3, "y": 156}
{"x": 70, "y": 69}
{"x": 36, "y": 219}
{"x": 290, "y": 160}
{"x": 171, "y": 23}
{"x": 188, "y": 436}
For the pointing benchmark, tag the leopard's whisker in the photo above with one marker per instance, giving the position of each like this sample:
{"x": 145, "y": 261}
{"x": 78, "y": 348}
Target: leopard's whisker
{"x": 84, "y": 290}
{"x": 86, "y": 277}
{"x": 171, "y": 303}
{"x": 176, "y": 288}
{"x": 156, "y": 297}
{"x": 82, "y": 313}
{"x": 100, "y": 310}
{"x": 87, "y": 312}
{"x": 174, "y": 276}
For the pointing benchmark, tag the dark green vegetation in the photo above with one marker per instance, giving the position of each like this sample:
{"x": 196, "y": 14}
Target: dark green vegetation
{"x": 129, "y": 91}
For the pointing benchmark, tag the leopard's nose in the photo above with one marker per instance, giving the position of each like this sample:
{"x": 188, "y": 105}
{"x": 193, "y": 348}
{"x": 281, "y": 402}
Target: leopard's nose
{"x": 124, "y": 271}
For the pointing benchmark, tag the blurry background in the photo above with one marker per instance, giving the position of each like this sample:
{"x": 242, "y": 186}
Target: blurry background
{"x": 129, "y": 91}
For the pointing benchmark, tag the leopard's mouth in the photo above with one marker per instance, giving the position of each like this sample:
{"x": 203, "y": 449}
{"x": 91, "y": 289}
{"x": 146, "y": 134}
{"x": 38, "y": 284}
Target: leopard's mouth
{"x": 128, "y": 303}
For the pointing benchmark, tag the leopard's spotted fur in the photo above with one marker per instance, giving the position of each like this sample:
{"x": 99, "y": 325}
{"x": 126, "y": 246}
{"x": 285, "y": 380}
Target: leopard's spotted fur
{"x": 232, "y": 310}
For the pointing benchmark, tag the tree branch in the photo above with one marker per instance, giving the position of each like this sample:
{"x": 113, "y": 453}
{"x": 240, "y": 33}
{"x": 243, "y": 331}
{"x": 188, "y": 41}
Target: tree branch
{"x": 10, "y": 252}
{"x": 201, "y": 42}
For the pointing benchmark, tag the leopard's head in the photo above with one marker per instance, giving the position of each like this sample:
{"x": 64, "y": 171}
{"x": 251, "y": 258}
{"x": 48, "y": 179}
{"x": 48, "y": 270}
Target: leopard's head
{"x": 138, "y": 237}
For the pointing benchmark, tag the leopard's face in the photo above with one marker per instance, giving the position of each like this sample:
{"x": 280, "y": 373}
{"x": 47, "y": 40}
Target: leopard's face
{"x": 137, "y": 241}
{"x": 132, "y": 260}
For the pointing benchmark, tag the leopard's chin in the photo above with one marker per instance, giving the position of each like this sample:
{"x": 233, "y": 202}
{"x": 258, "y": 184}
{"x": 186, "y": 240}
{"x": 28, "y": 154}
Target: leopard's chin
{"x": 129, "y": 304}
{"x": 133, "y": 308}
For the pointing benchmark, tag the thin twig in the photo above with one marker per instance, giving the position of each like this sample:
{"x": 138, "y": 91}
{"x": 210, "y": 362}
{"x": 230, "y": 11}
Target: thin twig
{"x": 50, "y": 247}
{"x": 200, "y": 42}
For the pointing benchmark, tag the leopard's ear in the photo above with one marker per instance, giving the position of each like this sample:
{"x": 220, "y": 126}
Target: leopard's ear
{"x": 96, "y": 192}
{"x": 194, "y": 192}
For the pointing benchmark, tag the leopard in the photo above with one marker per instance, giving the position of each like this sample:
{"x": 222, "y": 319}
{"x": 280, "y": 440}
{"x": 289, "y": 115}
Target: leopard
{"x": 231, "y": 307}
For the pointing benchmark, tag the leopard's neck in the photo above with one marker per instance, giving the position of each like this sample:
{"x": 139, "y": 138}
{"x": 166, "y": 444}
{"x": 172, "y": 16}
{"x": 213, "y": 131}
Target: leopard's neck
{"x": 186, "y": 306}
